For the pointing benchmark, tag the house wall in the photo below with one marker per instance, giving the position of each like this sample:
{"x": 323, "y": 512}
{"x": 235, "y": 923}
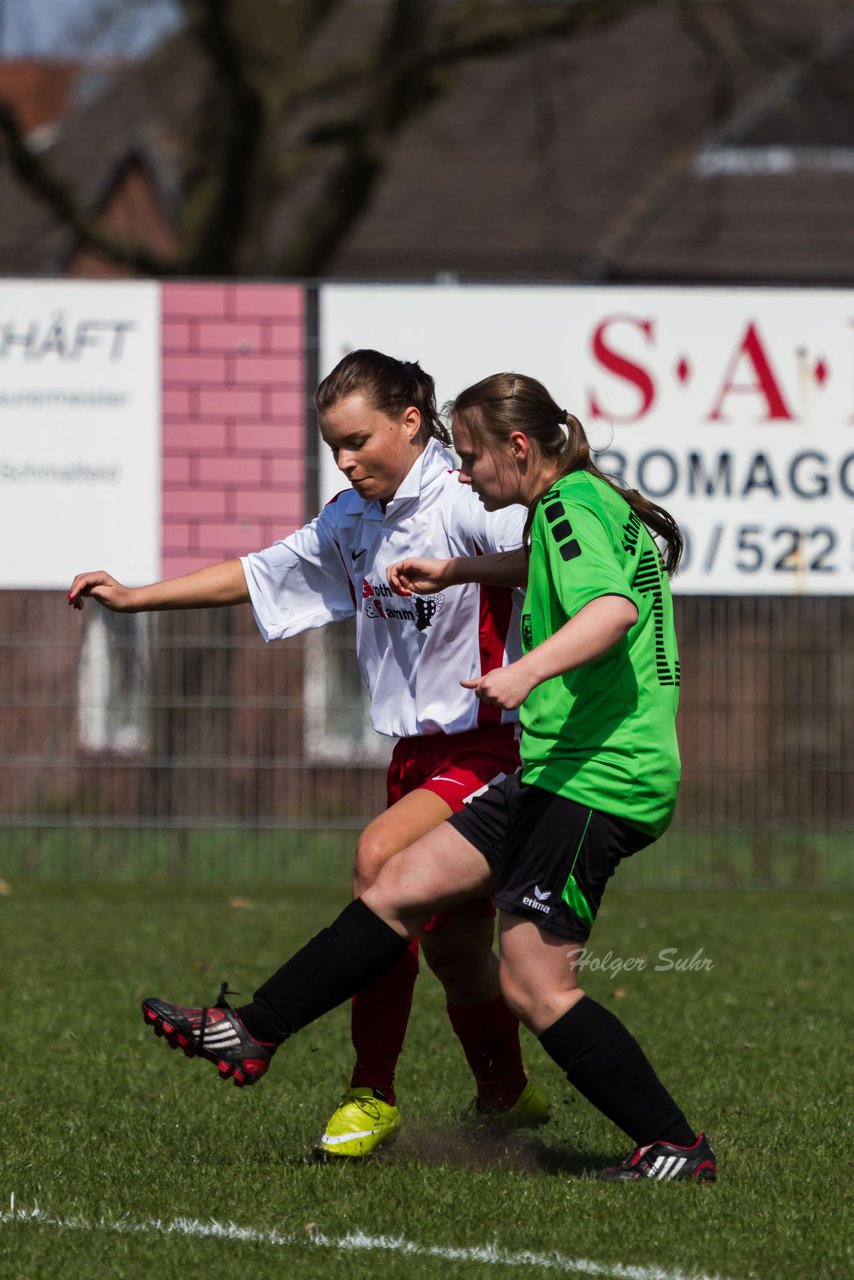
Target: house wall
{"x": 135, "y": 212}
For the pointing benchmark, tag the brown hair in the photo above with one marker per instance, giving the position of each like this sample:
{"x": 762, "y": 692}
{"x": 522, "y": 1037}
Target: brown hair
{"x": 507, "y": 402}
{"x": 390, "y": 386}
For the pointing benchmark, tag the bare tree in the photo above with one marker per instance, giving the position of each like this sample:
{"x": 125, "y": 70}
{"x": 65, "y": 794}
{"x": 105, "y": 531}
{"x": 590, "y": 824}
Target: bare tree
{"x": 298, "y": 106}
{"x": 299, "y": 122}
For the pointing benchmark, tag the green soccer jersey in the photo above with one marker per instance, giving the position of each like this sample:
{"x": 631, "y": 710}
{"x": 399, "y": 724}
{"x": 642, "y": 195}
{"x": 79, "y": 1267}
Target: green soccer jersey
{"x": 604, "y": 734}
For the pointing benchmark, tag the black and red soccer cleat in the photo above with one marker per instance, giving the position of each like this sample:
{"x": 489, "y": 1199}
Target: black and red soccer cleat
{"x": 215, "y": 1033}
{"x": 666, "y": 1162}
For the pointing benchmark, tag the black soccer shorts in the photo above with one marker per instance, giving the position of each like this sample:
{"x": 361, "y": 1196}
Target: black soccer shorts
{"x": 551, "y": 857}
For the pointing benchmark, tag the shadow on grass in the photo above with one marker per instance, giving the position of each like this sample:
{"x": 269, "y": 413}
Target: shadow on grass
{"x": 483, "y": 1149}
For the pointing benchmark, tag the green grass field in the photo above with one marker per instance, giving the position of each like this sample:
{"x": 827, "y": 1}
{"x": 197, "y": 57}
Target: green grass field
{"x": 680, "y": 860}
{"x": 138, "y": 1159}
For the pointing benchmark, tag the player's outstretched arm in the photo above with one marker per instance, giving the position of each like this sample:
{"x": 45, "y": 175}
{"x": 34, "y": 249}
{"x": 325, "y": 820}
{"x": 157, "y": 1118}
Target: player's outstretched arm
{"x": 422, "y": 576}
{"x": 216, "y": 584}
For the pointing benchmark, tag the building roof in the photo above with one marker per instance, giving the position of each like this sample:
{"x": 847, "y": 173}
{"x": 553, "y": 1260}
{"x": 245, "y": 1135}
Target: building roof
{"x": 706, "y": 143}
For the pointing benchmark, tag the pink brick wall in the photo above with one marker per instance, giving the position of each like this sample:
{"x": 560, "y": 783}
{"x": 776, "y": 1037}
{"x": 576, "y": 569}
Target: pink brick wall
{"x": 233, "y": 419}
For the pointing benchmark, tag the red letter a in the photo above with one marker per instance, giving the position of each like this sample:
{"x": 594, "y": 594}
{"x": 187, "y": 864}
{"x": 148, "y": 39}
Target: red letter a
{"x": 765, "y": 383}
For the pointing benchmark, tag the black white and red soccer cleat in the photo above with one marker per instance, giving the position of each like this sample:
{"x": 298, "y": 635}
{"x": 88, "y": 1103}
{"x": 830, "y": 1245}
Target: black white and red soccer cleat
{"x": 666, "y": 1162}
{"x": 215, "y": 1033}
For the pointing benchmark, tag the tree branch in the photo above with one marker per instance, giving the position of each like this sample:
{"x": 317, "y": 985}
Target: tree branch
{"x": 224, "y": 153}
{"x": 38, "y": 177}
{"x": 231, "y": 162}
{"x": 398, "y": 88}
{"x": 474, "y": 30}
{"x": 506, "y": 27}
{"x": 226, "y": 170}
{"x": 409, "y": 73}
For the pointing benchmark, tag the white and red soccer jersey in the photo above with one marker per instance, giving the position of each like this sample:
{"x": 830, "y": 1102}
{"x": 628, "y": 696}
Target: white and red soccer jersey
{"x": 412, "y": 651}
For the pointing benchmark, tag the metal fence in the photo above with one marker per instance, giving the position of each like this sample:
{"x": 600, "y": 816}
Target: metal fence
{"x": 179, "y": 745}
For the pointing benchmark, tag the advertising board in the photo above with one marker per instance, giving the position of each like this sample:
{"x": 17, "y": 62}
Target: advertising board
{"x": 733, "y": 408}
{"x": 80, "y": 438}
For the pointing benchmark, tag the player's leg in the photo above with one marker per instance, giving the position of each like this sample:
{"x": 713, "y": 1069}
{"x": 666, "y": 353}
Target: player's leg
{"x": 429, "y": 778}
{"x": 543, "y": 929}
{"x": 538, "y": 972}
{"x": 404, "y": 822}
{"x": 598, "y": 1054}
{"x": 380, "y": 1013}
{"x": 367, "y": 1114}
{"x": 439, "y": 871}
{"x": 457, "y": 946}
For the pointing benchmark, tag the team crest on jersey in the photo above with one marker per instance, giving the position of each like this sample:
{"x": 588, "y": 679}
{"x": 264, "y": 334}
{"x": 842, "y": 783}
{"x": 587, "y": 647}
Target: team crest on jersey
{"x": 421, "y": 610}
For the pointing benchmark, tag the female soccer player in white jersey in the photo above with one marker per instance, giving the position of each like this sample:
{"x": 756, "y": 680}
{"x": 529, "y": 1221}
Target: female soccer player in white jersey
{"x": 378, "y": 415}
{"x": 598, "y": 687}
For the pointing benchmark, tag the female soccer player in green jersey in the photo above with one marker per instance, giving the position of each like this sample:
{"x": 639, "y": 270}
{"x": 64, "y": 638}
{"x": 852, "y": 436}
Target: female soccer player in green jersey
{"x": 598, "y": 686}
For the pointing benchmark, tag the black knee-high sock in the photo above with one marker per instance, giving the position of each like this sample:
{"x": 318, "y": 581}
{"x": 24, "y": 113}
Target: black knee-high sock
{"x": 337, "y": 962}
{"x": 605, "y": 1063}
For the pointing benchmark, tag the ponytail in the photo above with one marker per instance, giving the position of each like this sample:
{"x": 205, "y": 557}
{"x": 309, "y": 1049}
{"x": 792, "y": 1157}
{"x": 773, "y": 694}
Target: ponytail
{"x": 507, "y": 402}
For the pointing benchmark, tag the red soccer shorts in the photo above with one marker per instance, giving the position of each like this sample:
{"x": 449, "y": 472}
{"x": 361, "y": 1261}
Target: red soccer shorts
{"x": 454, "y": 766}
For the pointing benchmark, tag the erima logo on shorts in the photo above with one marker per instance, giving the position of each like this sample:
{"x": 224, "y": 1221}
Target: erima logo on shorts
{"x": 538, "y": 902}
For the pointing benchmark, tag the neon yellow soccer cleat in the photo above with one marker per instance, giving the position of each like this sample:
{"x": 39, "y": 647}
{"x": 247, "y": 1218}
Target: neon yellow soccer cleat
{"x": 362, "y": 1122}
{"x": 531, "y": 1108}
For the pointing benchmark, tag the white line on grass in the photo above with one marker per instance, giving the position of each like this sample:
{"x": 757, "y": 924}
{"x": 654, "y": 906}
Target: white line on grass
{"x": 352, "y": 1241}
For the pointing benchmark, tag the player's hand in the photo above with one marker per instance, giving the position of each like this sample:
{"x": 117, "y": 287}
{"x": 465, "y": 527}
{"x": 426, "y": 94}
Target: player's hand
{"x": 100, "y": 586}
{"x": 419, "y": 577}
{"x": 505, "y": 687}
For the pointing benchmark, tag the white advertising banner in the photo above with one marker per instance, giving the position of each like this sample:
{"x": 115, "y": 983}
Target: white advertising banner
{"x": 733, "y": 408}
{"x": 80, "y": 438}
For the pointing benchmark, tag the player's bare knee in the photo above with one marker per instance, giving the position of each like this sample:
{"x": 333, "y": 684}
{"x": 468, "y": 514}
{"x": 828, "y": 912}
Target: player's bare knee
{"x": 442, "y": 968}
{"x": 372, "y": 853}
{"x": 388, "y": 890}
{"x": 380, "y": 897}
{"x": 515, "y": 999}
{"x": 465, "y": 970}
{"x": 445, "y": 962}
{"x": 517, "y": 996}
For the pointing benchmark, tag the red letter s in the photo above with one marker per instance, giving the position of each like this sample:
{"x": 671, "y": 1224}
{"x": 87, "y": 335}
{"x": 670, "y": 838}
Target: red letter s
{"x": 623, "y": 368}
